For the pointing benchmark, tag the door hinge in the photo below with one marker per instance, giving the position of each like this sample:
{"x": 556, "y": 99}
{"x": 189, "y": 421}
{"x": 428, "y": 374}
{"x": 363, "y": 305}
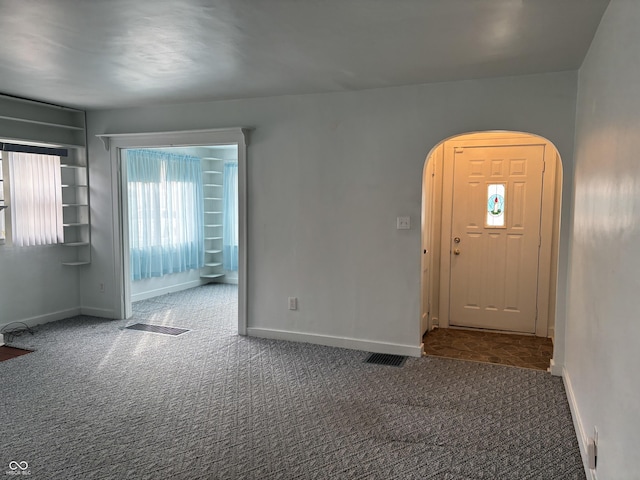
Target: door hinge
{"x": 458, "y": 150}
{"x": 544, "y": 166}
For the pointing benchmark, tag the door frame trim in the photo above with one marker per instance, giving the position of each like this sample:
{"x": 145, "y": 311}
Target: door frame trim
{"x": 549, "y": 226}
{"x": 220, "y": 136}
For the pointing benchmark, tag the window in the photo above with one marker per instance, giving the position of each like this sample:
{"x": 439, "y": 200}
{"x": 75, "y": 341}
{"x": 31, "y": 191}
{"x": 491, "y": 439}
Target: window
{"x": 495, "y": 205}
{"x": 166, "y": 219}
{"x": 32, "y": 196}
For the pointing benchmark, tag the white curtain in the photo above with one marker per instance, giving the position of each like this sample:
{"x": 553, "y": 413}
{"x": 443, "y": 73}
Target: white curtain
{"x": 36, "y": 199}
{"x": 166, "y": 218}
{"x": 230, "y": 238}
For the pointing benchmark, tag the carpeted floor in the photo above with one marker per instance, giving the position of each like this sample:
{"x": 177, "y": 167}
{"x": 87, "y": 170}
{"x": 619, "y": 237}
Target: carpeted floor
{"x": 96, "y": 401}
{"x": 504, "y": 349}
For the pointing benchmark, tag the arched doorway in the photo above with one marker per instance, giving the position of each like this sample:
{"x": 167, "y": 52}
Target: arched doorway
{"x": 491, "y": 266}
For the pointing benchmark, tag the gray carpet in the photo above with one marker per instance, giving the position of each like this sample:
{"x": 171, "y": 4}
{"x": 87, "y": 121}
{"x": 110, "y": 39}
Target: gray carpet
{"x": 96, "y": 401}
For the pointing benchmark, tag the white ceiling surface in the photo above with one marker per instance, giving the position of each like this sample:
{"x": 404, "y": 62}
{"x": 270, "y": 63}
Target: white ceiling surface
{"x": 118, "y": 53}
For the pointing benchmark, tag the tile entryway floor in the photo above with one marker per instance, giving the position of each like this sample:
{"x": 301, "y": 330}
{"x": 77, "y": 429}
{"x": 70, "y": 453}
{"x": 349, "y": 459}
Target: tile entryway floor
{"x": 7, "y": 353}
{"x": 505, "y": 349}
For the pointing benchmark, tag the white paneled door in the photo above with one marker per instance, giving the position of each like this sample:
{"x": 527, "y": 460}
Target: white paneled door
{"x": 495, "y": 237}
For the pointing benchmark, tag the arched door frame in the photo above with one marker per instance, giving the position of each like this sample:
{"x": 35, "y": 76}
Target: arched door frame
{"x": 432, "y": 297}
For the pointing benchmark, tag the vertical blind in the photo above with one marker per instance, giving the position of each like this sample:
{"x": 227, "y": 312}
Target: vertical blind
{"x": 36, "y": 199}
{"x": 166, "y": 218}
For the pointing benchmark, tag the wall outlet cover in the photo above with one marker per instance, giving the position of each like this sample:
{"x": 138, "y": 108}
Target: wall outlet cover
{"x": 403, "y": 223}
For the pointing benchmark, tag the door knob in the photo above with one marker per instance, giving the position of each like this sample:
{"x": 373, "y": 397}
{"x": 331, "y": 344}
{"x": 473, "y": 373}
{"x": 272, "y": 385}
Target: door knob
{"x": 456, "y": 251}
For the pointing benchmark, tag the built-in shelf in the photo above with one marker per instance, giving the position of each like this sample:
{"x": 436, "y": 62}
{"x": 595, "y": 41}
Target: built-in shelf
{"x": 211, "y": 275}
{"x": 38, "y": 122}
{"x": 35, "y": 122}
{"x": 75, "y": 210}
{"x": 75, "y": 244}
{"x": 212, "y": 169}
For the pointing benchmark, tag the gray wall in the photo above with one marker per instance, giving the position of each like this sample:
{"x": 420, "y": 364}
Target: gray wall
{"x": 34, "y": 285}
{"x": 327, "y": 176}
{"x": 603, "y": 328}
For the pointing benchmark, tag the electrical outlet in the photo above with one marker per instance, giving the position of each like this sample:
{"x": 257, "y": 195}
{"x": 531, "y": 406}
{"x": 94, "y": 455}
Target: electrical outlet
{"x": 293, "y": 303}
{"x": 101, "y": 286}
{"x": 403, "y": 223}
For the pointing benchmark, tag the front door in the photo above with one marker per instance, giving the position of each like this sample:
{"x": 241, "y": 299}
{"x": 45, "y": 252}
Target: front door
{"x": 495, "y": 237}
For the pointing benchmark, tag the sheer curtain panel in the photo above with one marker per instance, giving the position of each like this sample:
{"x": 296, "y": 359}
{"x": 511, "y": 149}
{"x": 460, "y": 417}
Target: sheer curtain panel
{"x": 166, "y": 218}
{"x": 36, "y": 199}
{"x": 230, "y": 217}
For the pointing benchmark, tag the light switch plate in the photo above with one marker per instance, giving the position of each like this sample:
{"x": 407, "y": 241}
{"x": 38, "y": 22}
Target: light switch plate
{"x": 403, "y": 223}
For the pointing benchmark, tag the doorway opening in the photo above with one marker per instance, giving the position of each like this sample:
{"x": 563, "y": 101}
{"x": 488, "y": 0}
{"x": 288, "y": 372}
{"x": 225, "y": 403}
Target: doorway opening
{"x": 490, "y": 229}
{"x": 216, "y": 152}
{"x": 182, "y": 217}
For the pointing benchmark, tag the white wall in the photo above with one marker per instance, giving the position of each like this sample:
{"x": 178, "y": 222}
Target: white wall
{"x": 327, "y": 176}
{"x": 34, "y": 285}
{"x": 603, "y": 327}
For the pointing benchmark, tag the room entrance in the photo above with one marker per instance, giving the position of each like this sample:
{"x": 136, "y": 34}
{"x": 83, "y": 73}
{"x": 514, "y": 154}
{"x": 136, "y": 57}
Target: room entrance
{"x": 491, "y": 205}
{"x": 210, "y": 152}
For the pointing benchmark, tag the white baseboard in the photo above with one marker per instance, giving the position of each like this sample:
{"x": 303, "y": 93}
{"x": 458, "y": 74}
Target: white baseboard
{"x": 556, "y": 370}
{"x": 156, "y": 292}
{"x": 98, "y": 312}
{"x": 231, "y": 279}
{"x": 330, "y": 341}
{"x": 577, "y": 424}
{"x": 45, "y": 318}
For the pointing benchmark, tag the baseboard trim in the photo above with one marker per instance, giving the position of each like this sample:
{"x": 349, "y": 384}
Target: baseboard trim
{"x": 178, "y": 287}
{"x": 45, "y": 318}
{"x": 342, "y": 342}
{"x": 556, "y": 370}
{"x": 577, "y": 424}
{"x": 98, "y": 312}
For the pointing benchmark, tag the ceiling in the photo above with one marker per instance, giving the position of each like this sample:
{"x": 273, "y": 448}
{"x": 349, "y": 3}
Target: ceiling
{"x": 119, "y": 53}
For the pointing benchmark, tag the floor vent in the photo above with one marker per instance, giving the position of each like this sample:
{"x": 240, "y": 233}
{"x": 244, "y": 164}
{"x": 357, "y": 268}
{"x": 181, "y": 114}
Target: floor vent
{"x": 145, "y": 327}
{"x": 386, "y": 359}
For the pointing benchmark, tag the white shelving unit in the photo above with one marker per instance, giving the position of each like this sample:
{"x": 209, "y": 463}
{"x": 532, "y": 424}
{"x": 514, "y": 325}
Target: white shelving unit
{"x": 27, "y": 121}
{"x": 212, "y": 174}
{"x": 75, "y": 208}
